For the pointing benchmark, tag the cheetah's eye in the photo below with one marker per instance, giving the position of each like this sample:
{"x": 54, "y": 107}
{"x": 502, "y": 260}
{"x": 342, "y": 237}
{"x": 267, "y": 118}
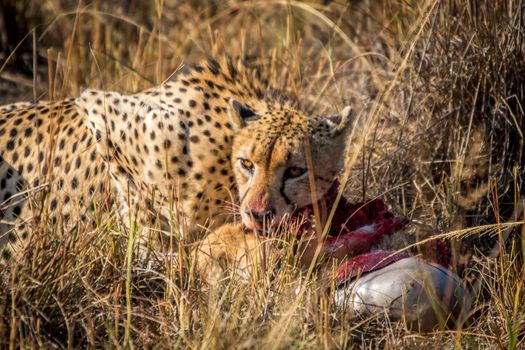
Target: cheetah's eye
{"x": 246, "y": 164}
{"x": 294, "y": 171}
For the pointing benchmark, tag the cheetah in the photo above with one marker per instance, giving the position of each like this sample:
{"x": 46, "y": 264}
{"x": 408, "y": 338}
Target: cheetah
{"x": 183, "y": 155}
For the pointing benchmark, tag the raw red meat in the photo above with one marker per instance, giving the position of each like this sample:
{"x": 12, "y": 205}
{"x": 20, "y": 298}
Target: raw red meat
{"x": 355, "y": 228}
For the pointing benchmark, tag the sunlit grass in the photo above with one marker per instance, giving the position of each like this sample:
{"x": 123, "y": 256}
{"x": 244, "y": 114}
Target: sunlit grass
{"x": 437, "y": 89}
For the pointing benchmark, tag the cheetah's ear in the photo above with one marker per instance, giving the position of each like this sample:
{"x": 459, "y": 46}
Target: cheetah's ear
{"x": 340, "y": 122}
{"x": 240, "y": 114}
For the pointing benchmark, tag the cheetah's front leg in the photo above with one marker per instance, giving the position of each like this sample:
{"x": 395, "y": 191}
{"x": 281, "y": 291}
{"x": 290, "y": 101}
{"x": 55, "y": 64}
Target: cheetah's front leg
{"x": 228, "y": 247}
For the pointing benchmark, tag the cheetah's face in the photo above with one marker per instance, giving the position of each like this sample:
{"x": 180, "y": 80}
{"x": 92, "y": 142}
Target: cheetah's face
{"x": 284, "y": 160}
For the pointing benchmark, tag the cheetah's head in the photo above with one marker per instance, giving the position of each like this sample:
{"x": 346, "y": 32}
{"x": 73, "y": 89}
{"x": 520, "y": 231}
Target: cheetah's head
{"x": 284, "y": 160}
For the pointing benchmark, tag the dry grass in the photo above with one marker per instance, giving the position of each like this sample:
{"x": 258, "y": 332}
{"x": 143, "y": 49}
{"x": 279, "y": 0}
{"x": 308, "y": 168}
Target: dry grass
{"x": 439, "y": 89}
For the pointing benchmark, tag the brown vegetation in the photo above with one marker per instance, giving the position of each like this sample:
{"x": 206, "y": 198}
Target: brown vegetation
{"x": 438, "y": 86}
